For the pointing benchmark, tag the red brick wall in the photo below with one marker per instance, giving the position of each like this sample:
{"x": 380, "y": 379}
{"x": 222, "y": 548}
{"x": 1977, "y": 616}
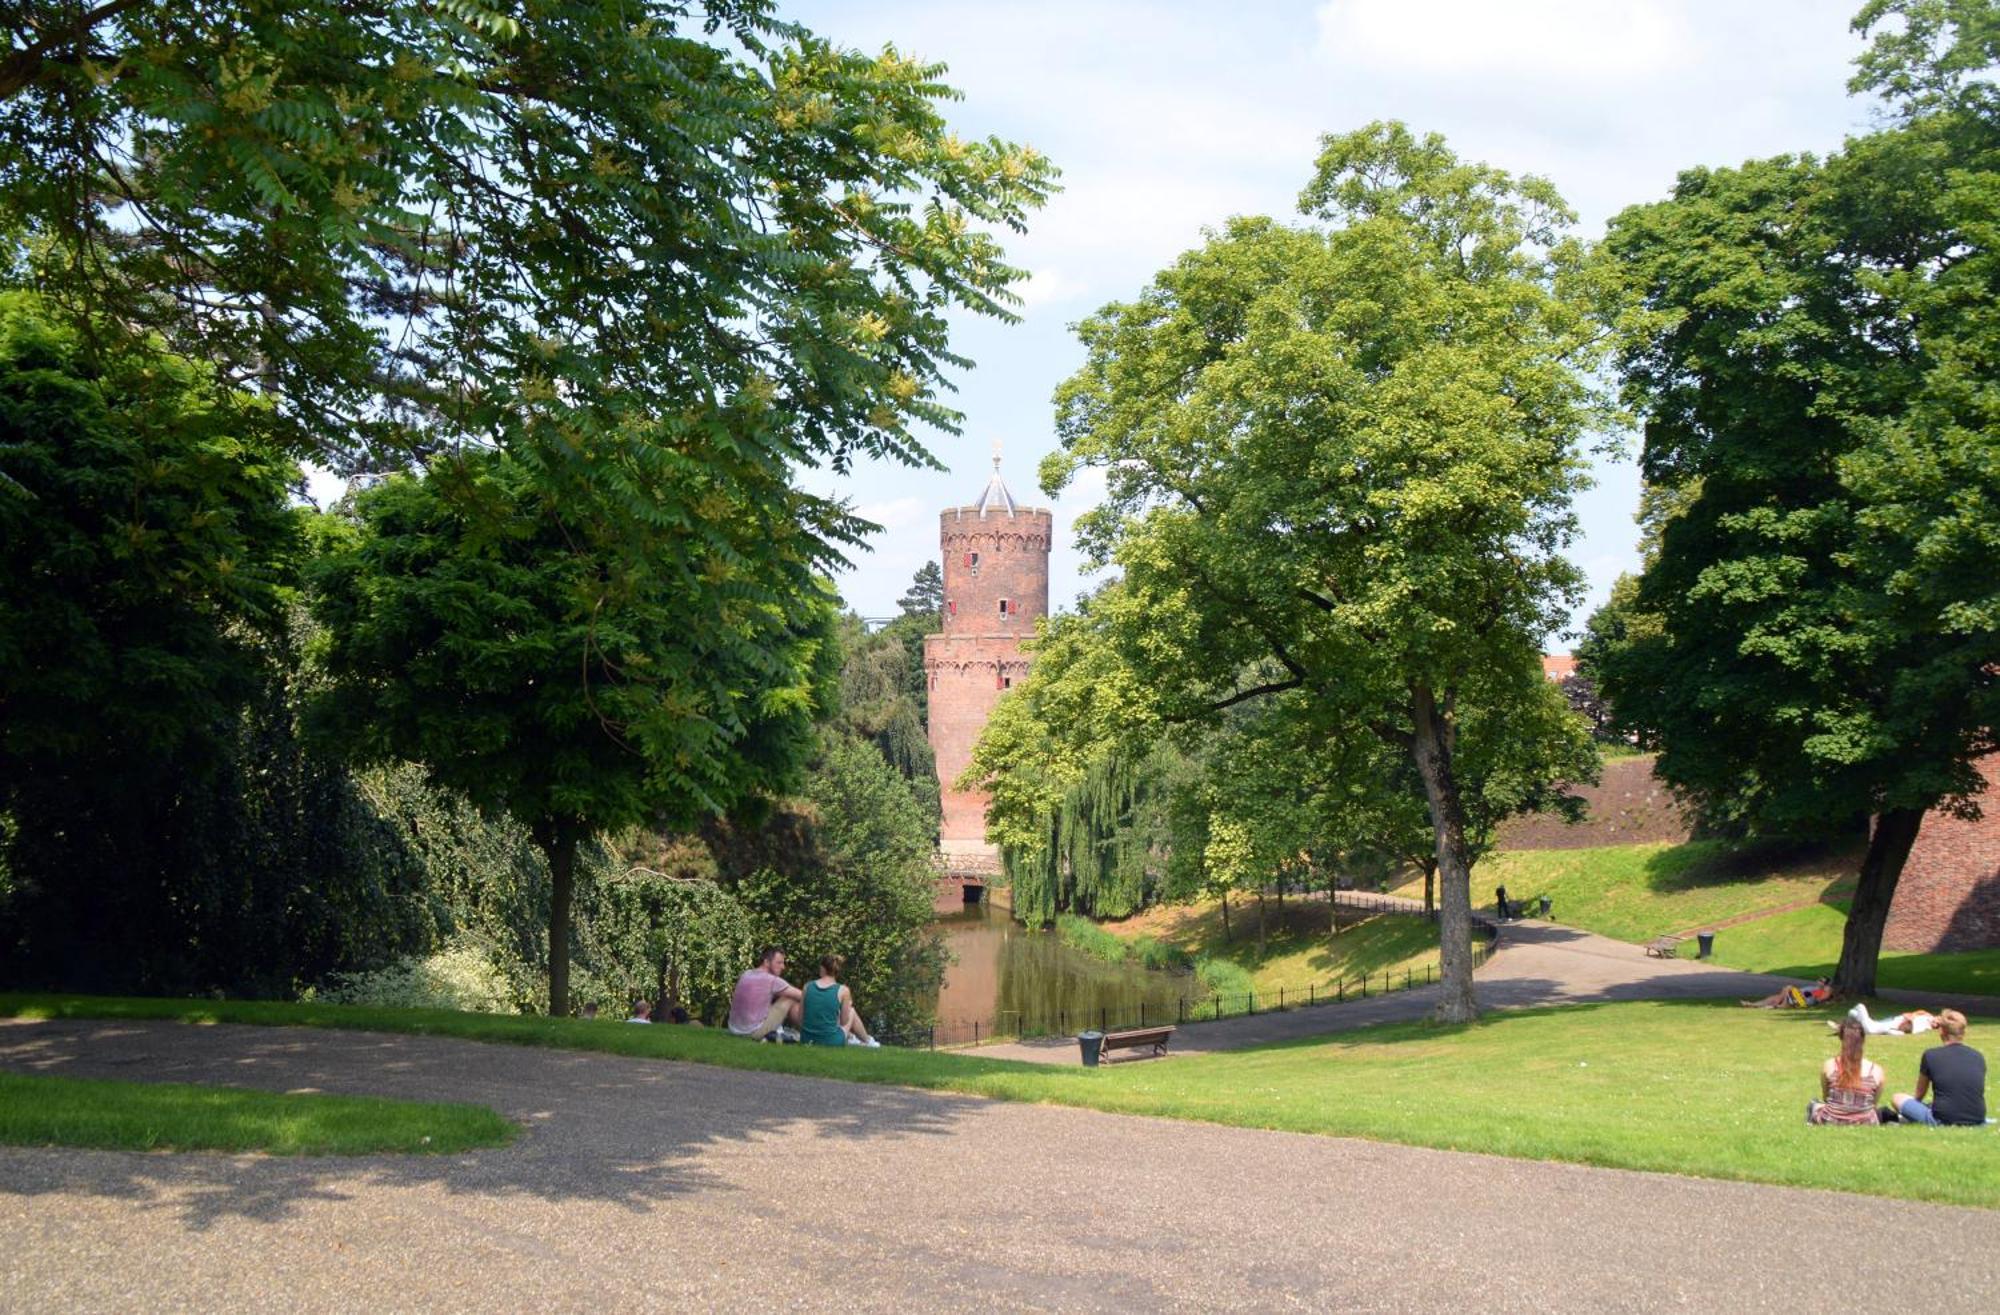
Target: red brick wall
{"x": 979, "y": 651}
{"x": 1949, "y": 895}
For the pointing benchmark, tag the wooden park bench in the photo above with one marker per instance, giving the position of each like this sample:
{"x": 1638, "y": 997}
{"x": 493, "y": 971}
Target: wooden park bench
{"x": 1665, "y": 947}
{"x": 1156, "y": 1037}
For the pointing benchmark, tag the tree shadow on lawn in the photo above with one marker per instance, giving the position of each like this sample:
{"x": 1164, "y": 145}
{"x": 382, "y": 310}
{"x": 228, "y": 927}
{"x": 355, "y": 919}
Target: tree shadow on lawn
{"x": 1701, "y": 864}
{"x": 598, "y": 1128}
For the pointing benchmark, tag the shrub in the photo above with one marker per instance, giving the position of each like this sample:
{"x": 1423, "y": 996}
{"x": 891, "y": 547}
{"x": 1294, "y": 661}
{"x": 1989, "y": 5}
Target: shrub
{"x": 461, "y": 976}
{"x": 1156, "y": 953}
{"x": 1082, "y": 934}
{"x": 1223, "y": 976}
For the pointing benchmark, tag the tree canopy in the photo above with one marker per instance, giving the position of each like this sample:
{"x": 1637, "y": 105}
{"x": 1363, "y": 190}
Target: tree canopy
{"x": 628, "y": 243}
{"x": 474, "y": 628}
{"x": 1810, "y": 345}
{"x": 1339, "y": 460}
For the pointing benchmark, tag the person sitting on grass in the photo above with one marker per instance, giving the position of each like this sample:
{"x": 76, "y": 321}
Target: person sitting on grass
{"x": 764, "y": 1004}
{"x": 1953, "y": 1075}
{"x": 1849, "y": 1085}
{"x": 1794, "y": 997}
{"x": 830, "y": 1016}
{"x": 1914, "y": 1023}
{"x": 642, "y": 1012}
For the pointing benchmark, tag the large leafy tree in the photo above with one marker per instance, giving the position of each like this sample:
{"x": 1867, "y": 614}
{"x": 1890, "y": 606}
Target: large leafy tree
{"x": 1340, "y": 460}
{"x": 1811, "y": 347}
{"x": 475, "y": 627}
{"x": 627, "y": 242}
{"x": 145, "y": 551}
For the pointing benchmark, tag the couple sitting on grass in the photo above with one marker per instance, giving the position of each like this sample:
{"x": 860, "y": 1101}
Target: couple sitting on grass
{"x": 765, "y": 1006}
{"x": 1953, "y": 1075}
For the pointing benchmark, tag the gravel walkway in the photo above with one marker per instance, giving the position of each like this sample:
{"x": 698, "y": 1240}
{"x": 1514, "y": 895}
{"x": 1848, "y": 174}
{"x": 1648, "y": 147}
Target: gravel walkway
{"x": 1535, "y": 963}
{"x": 657, "y": 1186}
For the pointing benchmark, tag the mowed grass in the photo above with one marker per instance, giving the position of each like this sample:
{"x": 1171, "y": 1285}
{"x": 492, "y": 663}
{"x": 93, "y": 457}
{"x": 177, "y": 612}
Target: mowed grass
{"x": 1696, "y": 1088}
{"x": 1299, "y": 947}
{"x": 40, "y": 1110}
{"x": 1637, "y": 892}
{"x": 1806, "y": 943}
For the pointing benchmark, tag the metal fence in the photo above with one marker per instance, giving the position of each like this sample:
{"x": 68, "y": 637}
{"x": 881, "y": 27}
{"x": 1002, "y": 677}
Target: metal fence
{"x": 1200, "y": 1007}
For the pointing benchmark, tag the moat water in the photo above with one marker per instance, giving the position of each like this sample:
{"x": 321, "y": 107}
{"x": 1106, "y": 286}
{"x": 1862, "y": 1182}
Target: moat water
{"x": 1011, "y": 978}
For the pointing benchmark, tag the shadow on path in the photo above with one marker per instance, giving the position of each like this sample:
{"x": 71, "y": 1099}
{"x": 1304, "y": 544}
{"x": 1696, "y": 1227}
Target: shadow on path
{"x": 597, "y": 1128}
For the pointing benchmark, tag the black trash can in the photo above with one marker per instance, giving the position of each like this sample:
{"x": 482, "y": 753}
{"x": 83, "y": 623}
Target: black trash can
{"x": 1706, "y": 941}
{"x": 1092, "y": 1044}
{"x": 1545, "y": 906}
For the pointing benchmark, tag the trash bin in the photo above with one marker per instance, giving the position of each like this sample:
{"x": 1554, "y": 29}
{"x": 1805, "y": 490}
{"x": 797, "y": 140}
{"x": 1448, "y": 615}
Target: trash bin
{"x": 1545, "y": 906}
{"x": 1706, "y": 940}
{"x": 1091, "y": 1043}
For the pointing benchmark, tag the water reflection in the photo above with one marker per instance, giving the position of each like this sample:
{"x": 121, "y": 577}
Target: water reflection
{"x": 1007, "y": 977}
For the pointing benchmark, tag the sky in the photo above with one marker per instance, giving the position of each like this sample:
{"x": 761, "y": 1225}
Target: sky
{"x": 1167, "y": 118}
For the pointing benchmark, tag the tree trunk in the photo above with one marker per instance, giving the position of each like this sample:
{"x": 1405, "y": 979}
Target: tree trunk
{"x": 1225, "y": 915}
{"x": 1260, "y": 924}
{"x": 1861, "y": 943}
{"x": 557, "y": 841}
{"x": 1430, "y": 887}
{"x": 1431, "y": 746}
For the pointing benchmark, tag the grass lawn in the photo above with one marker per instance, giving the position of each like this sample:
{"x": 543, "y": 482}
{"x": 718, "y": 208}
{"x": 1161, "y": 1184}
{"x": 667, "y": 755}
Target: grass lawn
{"x": 37, "y": 1110}
{"x": 1806, "y": 943}
{"x": 1297, "y": 946}
{"x": 1637, "y": 892}
{"x": 1685, "y": 1087}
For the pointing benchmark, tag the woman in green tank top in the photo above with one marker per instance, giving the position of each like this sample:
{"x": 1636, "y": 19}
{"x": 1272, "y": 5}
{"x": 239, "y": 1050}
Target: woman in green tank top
{"x": 830, "y": 1018}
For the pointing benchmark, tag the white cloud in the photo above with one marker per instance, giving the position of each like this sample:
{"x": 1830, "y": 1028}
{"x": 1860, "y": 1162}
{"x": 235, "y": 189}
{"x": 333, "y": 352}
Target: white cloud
{"x": 896, "y": 513}
{"x": 1574, "y": 38}
{"x": 1048, "y": 286}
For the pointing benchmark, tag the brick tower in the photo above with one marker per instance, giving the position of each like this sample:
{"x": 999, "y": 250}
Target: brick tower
{"x": 996, "y": 584}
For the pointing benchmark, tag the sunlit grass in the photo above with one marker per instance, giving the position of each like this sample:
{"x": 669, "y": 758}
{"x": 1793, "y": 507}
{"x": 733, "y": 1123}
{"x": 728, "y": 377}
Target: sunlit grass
{"x": 1683, "y": 1087}
{"x": 39, "y": 1110}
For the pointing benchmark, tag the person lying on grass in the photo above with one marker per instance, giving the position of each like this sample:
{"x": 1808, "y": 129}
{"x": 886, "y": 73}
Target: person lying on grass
{"x": 1958, "y": 1074}
{"x": 1794, "y": 997}
{"x": 1849, "y": 1084}
{"x": 1914, "y": 1023}
{"x": 830, "y": 1016}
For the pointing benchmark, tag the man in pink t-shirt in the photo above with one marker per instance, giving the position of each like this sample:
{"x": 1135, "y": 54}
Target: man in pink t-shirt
{"x": 763, "y": 1001}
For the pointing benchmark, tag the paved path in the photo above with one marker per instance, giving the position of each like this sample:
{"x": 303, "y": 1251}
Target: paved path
{"x": 1535, "y": 963}
{"x": 645, "y": 1185}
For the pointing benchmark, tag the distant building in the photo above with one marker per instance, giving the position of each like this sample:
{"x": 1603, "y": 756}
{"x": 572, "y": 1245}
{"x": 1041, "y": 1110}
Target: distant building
{"x": 996, "y": 585}
{"x": 1558, "y": 667}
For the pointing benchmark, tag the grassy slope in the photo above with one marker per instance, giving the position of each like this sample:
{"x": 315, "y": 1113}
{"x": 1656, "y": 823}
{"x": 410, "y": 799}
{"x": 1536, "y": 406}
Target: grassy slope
{"x": 1806, "y": 943}
{"x": 1637, "y": 892}
{"x": 1694, "y": 1088}
{"x": 38, "y": 1110}
{"x": 1297, "y": 947}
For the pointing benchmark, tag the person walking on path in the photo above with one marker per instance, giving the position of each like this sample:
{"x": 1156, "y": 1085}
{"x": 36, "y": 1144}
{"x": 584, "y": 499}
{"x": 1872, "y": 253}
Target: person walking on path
{"x": 764, "y": 1003}
{"x": 830, "y": 1016}
{"x": 1849, "y": 1084}
{"x": 1953, "y": 1075}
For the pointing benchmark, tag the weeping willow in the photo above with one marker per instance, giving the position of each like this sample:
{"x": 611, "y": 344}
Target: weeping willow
{"x": 1101, "y": 850}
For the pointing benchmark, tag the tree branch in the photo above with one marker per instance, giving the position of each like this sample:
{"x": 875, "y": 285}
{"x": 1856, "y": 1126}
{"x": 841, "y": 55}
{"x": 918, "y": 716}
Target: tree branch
{"x": 22, "y": 66}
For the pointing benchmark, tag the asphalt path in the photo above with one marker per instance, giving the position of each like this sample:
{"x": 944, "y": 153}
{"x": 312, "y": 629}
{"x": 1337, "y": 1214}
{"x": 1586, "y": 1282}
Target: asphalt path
{"x": 647, "y": 1185}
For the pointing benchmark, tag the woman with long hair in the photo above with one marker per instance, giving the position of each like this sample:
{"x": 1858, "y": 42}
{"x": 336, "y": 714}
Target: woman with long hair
{"x": 830, "y": 1016}
{"x": 1849, "y": 1083}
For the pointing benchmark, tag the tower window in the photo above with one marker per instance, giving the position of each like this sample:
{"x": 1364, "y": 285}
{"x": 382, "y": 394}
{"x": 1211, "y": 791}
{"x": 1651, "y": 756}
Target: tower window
{"x": 1006, "y": 682}
{"x": 934, "y": 680}
{"x": 972, "y": 559}
{"x": 1003, "y": 607}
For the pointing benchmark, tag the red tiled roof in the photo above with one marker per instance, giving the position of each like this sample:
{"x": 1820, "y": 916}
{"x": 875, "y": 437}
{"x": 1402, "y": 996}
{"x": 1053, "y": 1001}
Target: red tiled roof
{"x": 1558, "y": 666}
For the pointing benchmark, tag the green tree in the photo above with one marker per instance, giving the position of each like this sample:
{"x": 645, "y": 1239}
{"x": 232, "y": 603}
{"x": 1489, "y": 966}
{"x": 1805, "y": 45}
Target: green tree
{"x": 924, "y": 599}
{"x": 473, "y": 627}
{"x": 146, "y": 549}
{"x": 1811, "y": 346}
{"x": 626, "y": 242}
{"x": 1342, "y": 457}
